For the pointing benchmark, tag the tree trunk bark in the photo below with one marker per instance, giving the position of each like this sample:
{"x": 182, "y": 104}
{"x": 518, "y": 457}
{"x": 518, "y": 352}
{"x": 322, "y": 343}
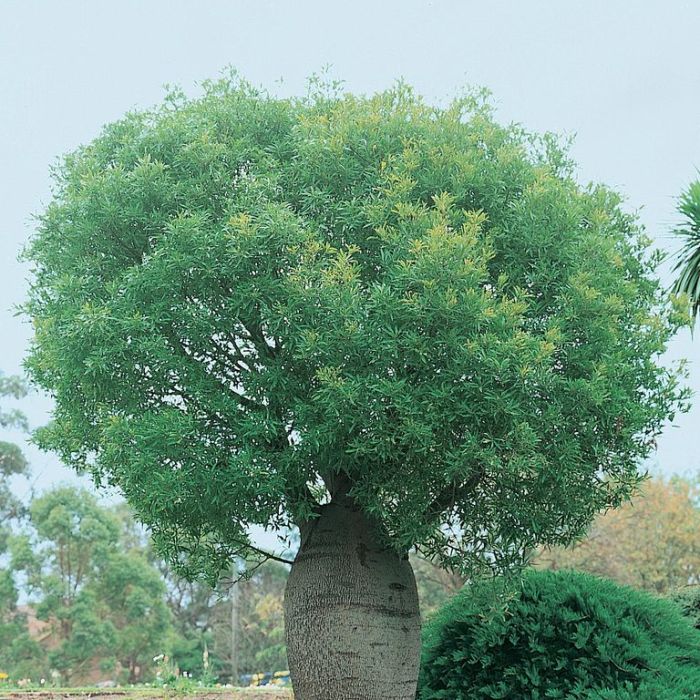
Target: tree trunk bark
{"x": 352, "y": 621}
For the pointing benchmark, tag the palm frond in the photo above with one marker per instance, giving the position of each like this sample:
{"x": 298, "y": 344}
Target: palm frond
{"x": 688, "y": 264}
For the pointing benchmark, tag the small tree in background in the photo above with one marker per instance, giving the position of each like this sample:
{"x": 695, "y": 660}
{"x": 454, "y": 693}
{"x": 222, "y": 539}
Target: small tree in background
{"x": 69, "y": 540}
{"x": 193, "y": 607}
{"x": 20, "y": 655}
{"x": 385, "y": 323}
{"x": 651, "y": 542}
{"x": 201, "y": 615}
{"x": 17, "y": 651}
{"x": 12, "y": 460}
{"x": 260, "y": 633}
{"x": 435, "y": 584}
{"x": 131, "y": 594}
{"x": 105, "y": 609}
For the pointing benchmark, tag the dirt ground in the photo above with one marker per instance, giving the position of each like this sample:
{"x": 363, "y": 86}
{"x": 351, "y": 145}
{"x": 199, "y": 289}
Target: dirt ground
{"x": 155, "y": 694}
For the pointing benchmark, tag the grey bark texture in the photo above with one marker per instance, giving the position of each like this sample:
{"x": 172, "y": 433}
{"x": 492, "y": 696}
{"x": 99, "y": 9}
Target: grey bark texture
{"x": 352, "y": 620}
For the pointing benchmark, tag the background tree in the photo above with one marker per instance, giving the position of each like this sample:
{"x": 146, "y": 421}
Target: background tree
{"x": 201, "y": 615}
{"x": 70, "y": 538}
{"x": 435, "y": 585}
{"x": 17, "y": 651}
{"x": 104, "y": 602}
{"x": 688, "y": 265}
{"x": 380, "y": 321}
{"x": 652, "y": 542}
{"x": 131, "y": 595}
{"x": 260, "y": 634}
{"x": 133, "y": 589}
{"x": 12, "y": 461}
{"x": 19, "y": 654}
{"x": 192, "y": 605}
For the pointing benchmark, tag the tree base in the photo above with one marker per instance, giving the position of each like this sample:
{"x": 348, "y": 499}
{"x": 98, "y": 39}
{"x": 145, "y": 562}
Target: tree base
{"x": 352, "y": 620}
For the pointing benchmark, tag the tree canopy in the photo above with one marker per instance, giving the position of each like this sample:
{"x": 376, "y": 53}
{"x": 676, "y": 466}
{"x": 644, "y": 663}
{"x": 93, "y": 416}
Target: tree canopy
{"x": 239, "y": 300}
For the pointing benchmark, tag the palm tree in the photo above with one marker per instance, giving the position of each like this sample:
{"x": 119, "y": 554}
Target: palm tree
{"x": 688, "y": 281}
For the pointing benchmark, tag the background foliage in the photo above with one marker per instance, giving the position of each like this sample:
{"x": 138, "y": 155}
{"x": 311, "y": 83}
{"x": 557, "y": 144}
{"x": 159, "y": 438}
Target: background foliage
{"x": 106, "y": 604}
{"x": 12, "y": 461}
{"x": 650, "y": 543}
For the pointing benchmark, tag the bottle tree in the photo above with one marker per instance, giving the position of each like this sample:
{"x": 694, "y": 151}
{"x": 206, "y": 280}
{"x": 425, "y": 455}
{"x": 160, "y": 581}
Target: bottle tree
{"x": 388, "y": 324}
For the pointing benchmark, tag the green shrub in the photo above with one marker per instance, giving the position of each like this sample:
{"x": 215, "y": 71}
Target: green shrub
{"x": 559, "y": 635}
{"x": 688, "y": 600}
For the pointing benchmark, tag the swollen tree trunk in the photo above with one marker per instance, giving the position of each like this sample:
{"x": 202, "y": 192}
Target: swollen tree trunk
{"x": 351, "y": 612}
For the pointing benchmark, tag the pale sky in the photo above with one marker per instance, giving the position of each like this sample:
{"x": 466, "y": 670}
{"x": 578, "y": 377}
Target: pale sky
{"x": 624, "y": 77}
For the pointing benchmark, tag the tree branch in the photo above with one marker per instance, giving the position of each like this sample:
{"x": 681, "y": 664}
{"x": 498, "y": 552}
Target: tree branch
{"x": 453, "y": 493}
{"x": 262, "y": 552}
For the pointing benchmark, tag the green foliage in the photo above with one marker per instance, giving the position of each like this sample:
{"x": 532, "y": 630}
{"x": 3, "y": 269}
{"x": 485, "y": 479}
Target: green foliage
{"x": 559, "y": 635}
{"x": 70, "y": 537}
{"x": 102, "y": 604}
{"x": 18, "y": 652}
{"x": 89, "y": 572}
{"x": 688, "y": 600}
{"x": 16, "y": 648}
{"x": 188, "y": 655}
{"x": 688, "y": 264}
{"x": 12, "y": 461}
{"x": 261, "y": 642}
{"x": 132, "y": 598}
{"x": 237, "y": 298}
{"x": 84, "y": 636}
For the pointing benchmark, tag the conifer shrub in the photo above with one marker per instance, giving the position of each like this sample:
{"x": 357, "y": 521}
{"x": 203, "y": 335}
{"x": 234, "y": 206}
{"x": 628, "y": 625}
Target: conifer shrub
{"x": 560, "y": 634}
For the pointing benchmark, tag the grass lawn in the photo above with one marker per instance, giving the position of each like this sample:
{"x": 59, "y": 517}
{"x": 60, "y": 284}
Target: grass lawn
{"x": 146, "y": 694}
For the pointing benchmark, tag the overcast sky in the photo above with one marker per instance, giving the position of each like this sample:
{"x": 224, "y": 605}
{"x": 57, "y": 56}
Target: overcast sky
{"x": 624, "y": 77}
